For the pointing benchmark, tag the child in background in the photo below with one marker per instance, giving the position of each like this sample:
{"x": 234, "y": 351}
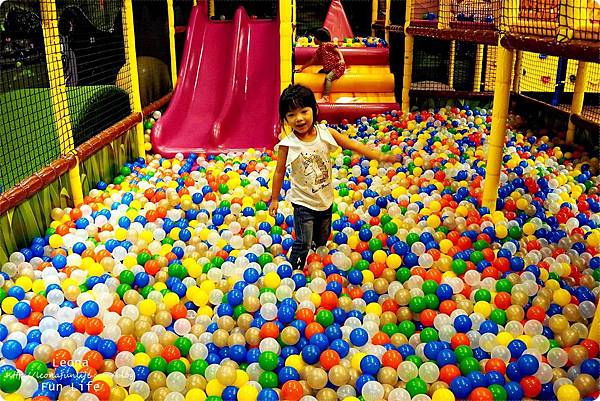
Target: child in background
{"x": 330, "y": 57}
{"x": 307, "y": 152}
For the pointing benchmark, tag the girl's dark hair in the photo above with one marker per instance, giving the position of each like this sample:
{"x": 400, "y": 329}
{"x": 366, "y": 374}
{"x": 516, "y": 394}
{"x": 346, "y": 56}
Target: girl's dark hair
{"x": 322, "y": 34}
{"x": 297, "y": 97}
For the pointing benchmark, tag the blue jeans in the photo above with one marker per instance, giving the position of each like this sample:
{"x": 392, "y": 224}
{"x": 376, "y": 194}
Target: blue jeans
{"x": 311, "y": 226}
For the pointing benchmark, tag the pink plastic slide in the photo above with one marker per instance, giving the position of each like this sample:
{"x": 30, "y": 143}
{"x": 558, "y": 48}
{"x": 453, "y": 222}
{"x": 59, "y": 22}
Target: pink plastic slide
{"x": 228, "y": 88}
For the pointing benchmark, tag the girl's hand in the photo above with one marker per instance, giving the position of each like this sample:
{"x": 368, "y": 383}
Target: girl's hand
{"x": 273, "y": 207}
{"x": 386, "y": 157}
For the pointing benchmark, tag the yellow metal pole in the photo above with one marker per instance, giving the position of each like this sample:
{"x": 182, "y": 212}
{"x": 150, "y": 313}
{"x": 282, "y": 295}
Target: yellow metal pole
{"x": 498, "y": 131}
{"x": 594, "y": 333}
{"x": 131, "y": 60}
{"x": 171, "y": 20}
{"x": 518, "y": 65}
{"x": 388, "y": 7}
{"x": 478, "y": 69}
{"x": 58, "y": 92}
{"x": 374, "y": 12}
{"x": 285, "y": 43}
{"x": 578, "y": 95}
{"x": 195, "y": 3}
{"x": 408, "y": 59}
{"x": 451, "y": 64}
{"x": 211, "y": 8}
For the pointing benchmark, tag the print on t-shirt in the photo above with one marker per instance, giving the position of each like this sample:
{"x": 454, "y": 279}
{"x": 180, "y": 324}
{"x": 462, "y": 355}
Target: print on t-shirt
{"x": 316, "y": 171}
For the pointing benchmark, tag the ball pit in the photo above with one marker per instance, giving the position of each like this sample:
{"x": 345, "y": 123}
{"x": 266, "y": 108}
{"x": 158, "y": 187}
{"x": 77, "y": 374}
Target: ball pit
{"x": 371, "y": 41}
{"x": 171, "y": 283}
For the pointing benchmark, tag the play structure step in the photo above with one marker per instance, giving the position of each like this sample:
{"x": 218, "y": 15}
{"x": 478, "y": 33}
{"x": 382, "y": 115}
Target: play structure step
{"x": 348, "y": 83}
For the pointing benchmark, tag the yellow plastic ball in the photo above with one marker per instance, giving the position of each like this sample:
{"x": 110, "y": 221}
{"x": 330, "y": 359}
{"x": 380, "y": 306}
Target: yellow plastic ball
{"x": 295, "y": 361}
{"x": 528, "y": 228}
{"x": 247, "y": 392}
{"x": 8, "y": 304}
{"x": 443, "y": 394}
{"x": 393, "y": 261}
{"x": 356, "y": 358}
{"x": 433, "y": 221}
{"x": 379, "y": 256}
{"x": 483, "y": 308}
{"x": 195, "y": 394}
{"x": 561, "y": 297}
{"x": 374, "y": 308}
{"x": 14, "y": 397}
{"x": 272, "y": 280}
{"x": 147, "y": 307}
{"x": 55, "y": 241}
{"x": 24, "y": 282}
{"x": 568, "y": 392}
{"x": 501, "y": 232}
{"x": 213, "y": 387}
{"x": 141, "y": 358}
{"x": 504, "y": 338}
{"x": 134, "y": 397}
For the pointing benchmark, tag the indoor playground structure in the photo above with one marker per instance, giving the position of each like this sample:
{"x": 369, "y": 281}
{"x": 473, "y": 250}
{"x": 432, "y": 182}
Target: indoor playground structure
{"x": 138, "y": 260}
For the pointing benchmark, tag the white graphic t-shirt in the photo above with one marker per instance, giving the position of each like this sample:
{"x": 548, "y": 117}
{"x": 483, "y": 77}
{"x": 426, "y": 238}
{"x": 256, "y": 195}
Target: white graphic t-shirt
{"x": 310, "y": 171}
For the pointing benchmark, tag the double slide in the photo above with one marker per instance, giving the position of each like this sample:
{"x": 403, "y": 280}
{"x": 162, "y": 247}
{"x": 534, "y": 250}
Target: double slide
{"x": 228, "y": 88}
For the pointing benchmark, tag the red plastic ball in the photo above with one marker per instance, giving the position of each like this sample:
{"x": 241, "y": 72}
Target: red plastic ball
{"x": 391, "y": 358}
{"x": 427, "y": 317}
{"x": 531, "y": 386}
{"x": 60, "y": 357}
{"x": 312, "y": 329}
{"x": 292, "y": 391}
{"x": 591, "y": 346}
{"x": 329, "y": 300}
{"x": 170, "y": 353}
{"x": 495, "y": 364}
{"x": 449, "y": 373}
{"x": 100, "y": 389}
{"x": 481, "y": 394}
{"x": 306, "y": 315}
{"x": 447, "y": 306}
{"x": 126, "y": 343}
{"x": 269, "y": 330}
{"x": 536, "y": 313}
{"x": 459, "y": 339}
{"x": 94, "y": 326}
{"x": 94, "y": 359}
{"x": 329, "y": 359}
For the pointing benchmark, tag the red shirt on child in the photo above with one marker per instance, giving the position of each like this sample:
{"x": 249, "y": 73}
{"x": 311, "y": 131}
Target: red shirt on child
{"x": 329, "y": 58}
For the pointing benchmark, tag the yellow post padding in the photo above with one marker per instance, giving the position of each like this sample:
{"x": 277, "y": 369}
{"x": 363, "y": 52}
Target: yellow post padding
{"x": 517, "y": 75}
{"x": 409, "y": 42}
{"x": 374, "y": 12}
{"x": 171, "y": 19}
{"x": 388, "y": 7}
{"x": 578, "y": 95}
{"x": 131, "y": 60}
{"x": 445, "y": 15}
{"x": 594, "y": 333}
{"x": 451, "y": 64}
{"x": 498, "y": 131}
{"x": 285, "y": 43}
{"x": 478, "y": 69}
{"x": 58, "y": 92}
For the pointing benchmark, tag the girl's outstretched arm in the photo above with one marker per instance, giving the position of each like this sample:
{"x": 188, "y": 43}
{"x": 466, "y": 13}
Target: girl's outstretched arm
{"x": 310, "y": 62}
{"x": 364, "y": 150}
{"x": 278, "y": 179}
